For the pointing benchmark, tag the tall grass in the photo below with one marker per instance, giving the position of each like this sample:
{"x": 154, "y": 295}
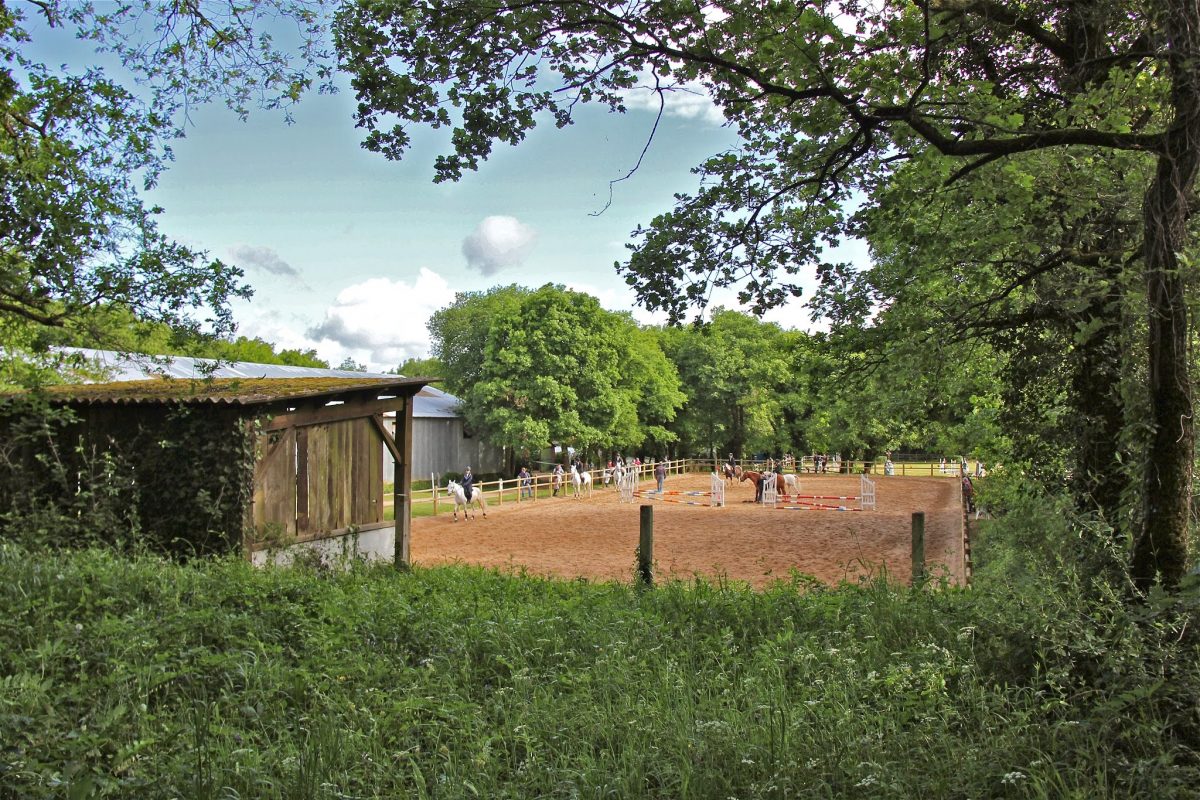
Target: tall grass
{"x": 137, "y": 677}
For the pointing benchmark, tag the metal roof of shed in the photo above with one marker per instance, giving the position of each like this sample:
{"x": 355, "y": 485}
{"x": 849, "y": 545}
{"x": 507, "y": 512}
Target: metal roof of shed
{"x": 430, "y": 402}
{"x": 229, "y": 391}
{"x": 134, "y": 368}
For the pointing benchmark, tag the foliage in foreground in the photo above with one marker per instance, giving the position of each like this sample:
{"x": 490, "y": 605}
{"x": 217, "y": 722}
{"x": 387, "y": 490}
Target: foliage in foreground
{"x": 135, "y": 677}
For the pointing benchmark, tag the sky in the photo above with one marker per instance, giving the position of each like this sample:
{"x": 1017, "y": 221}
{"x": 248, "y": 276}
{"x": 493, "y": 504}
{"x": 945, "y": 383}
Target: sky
{"x": 349, "y": 254}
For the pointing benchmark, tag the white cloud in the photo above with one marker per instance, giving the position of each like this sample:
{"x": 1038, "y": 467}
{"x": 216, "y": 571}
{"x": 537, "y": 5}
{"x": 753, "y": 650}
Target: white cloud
{"x": 689, "y": 101}
{"x": 284, "y": 331}
{"x": 498, "y": 243}
{"x": 381, "y": 322}
{"x": 794, "y": 314}
{"x": 264, "y": 258}
{"x": 619, "y": 299}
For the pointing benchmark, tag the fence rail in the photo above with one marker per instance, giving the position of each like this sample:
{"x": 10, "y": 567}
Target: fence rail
{"x": 541, "y": 485}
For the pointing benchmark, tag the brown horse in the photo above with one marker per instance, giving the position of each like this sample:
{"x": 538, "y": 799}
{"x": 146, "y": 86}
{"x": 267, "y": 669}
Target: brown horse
{"x": 731, "y": 472}
{"x": 756, "y": 479}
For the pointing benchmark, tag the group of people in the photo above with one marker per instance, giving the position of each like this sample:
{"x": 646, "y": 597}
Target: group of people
{"x": 964, "y": 468}
{"x": 558, "y": 476}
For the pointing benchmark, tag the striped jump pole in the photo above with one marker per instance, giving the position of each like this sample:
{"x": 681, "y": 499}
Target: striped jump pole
{"x": 865, "y": 498}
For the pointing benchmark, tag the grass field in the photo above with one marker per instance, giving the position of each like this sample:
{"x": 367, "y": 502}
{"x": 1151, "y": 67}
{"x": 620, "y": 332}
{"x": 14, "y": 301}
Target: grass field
{"x": 136, "y": 677}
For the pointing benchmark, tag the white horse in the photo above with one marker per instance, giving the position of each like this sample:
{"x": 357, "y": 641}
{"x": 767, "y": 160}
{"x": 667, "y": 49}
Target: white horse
{"x": 581, "y": 481}
{"x": 790, "y": 484}
{"x": 455, "y": 490}
{"x": 614, "y": 475}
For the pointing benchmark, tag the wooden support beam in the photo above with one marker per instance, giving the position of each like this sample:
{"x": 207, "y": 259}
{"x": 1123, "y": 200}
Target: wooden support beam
{"x": 316, "y": 415}
{"x": 388, "y": 441}
{"x": 403, "y": 486}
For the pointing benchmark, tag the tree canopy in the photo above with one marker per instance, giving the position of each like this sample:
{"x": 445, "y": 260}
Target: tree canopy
{"x": 550, "y": 366}
{"x": 77, "y": 146}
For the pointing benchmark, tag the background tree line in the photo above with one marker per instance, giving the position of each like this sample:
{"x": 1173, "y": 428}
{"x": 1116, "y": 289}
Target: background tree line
{"x": 542, "y": 367}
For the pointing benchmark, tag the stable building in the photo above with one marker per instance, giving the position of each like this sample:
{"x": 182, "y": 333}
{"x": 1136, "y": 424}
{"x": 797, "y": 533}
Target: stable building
{"x": 441, "y": 440}
{"x": 258, "y": 465}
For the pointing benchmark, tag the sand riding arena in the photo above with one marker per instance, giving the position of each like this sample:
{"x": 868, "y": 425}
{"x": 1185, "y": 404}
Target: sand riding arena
{"x": 596, "y": 537}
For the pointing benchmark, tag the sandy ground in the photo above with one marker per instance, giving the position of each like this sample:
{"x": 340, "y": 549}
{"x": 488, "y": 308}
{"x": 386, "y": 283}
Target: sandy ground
{"x": 597, "y": 537}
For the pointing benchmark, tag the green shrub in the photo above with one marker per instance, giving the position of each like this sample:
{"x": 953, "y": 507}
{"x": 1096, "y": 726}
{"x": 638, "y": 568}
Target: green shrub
{"x": 138, "y": 677}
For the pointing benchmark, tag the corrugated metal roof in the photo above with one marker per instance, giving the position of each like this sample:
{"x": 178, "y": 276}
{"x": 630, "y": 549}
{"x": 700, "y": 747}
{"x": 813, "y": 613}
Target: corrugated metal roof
{"x": 229, "y": 391}
{"x": 430, "y": 402}
{"x": 134, "y": 368}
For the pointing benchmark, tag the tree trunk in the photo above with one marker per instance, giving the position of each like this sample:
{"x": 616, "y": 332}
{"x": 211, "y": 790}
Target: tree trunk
{"x": 1160, "y": 552}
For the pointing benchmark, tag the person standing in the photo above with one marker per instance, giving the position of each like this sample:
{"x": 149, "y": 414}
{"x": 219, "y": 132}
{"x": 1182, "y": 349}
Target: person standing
{"x": 556, "y": 478}
{"x": 660, "y": 474}
{"x": 525, "y": 478}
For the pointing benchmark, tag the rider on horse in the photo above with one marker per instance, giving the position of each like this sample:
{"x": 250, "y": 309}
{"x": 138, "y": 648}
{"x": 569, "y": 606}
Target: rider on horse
{"x": 468, "y": 483}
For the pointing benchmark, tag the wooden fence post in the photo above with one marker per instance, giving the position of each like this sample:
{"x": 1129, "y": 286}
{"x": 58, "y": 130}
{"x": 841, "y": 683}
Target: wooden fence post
{"x": 918, "y": 547}
{"x": 645, "y": 553}
{"x": 433, "y": 488}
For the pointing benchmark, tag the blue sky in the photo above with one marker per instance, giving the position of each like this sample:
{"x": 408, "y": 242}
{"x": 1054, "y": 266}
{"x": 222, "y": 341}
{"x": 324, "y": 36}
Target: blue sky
{"x": 349, "y": 253}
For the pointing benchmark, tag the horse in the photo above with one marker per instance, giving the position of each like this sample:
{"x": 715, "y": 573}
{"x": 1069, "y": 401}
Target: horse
{"x": 790, "y": 483}
{"x": 731, "y": 472}
{"x": 580, "y": 481}
{"x": 756, "y": 479}
{"x": 614, "y": 475}
{"x": 455, "y": 490}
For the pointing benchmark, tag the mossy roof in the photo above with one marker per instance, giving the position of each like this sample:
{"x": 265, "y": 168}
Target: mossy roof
{"x": 226, "y": 391}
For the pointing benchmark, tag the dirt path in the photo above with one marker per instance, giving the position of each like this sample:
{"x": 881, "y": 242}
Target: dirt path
{"x": 596, "y": 538}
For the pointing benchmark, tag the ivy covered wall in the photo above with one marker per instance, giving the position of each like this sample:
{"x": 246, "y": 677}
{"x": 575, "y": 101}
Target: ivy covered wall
{"x": 172, "y": 478}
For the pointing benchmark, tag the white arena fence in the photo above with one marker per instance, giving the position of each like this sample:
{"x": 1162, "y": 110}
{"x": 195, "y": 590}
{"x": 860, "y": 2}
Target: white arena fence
{"x": 539, "y": 487}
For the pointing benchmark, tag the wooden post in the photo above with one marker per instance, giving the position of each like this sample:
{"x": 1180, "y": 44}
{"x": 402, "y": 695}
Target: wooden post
{"x": 402, "y": 487}
{"x": 918, "y": 547}
{"x": 433, "y": 488}
{"x": 645, "y": 554}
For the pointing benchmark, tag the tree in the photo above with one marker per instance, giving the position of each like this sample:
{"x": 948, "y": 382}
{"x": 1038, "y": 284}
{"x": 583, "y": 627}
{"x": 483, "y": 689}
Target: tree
{"x": 830, "y": 98}
{"x": 421, "y": 367}
{"x": 550, "y": 366}
{"x": 735, "y": 370}
{"x": 1035, "y": 260}
{"x": 76, "y": 145}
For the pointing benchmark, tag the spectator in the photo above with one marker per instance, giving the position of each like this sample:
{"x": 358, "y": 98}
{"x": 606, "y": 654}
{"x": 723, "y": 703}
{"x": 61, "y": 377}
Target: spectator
{"x": 526, "y": 482}
{"x": 660, "y": 474}
{"x": 556, "y": 478}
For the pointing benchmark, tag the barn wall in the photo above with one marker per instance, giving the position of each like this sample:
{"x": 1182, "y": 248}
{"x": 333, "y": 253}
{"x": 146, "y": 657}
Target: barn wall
{"x": 177, "y": 478}
{"x": 374, "y": 544}
{"x": 317, "y": 479}
{"x": 439, "y": 446}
